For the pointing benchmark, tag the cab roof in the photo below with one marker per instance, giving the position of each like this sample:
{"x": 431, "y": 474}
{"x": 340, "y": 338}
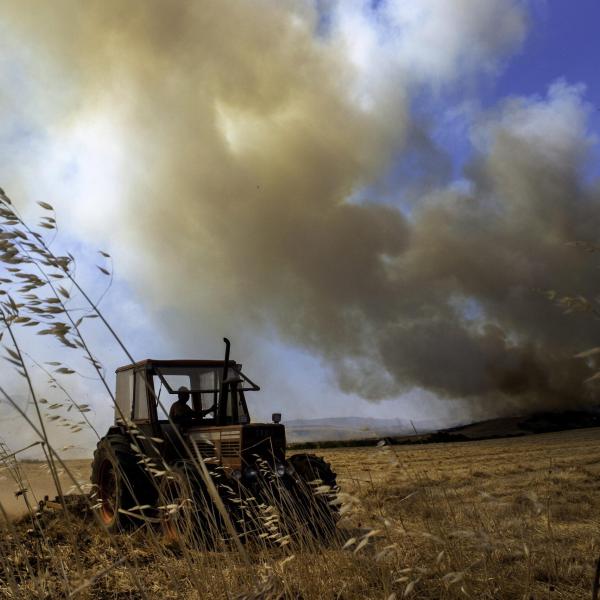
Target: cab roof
{"x": 148, "y": 363}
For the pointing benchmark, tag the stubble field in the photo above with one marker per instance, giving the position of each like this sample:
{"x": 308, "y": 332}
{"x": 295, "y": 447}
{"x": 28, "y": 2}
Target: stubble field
{"x": 511, "y": 518}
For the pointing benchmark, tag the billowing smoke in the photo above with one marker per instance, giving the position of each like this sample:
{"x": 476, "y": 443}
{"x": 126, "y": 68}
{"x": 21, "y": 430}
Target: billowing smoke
{"x": 260, "y": 142}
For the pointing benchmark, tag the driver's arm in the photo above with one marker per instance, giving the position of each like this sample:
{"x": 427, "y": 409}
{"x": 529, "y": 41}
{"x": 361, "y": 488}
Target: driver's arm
{"x": 208, "y": 410}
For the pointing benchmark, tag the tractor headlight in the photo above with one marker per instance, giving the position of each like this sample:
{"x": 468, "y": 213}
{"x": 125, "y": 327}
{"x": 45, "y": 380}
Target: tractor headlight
{"x": 250, "y": 474}
{"x": 279, "y": 470}
{"x": 236, "y": 474}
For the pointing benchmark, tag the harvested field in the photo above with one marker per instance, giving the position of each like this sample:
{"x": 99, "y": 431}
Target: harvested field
{"x": 514, "y": 518}
{"x": 37, "y": 478}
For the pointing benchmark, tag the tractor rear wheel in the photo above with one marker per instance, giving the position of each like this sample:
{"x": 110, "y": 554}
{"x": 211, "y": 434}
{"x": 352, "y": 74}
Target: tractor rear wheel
{"x": 119, "y": 482}
{"x": 315, "y": 487}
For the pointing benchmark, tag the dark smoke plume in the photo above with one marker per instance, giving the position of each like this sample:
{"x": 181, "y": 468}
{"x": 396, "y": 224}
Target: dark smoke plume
{"x": 252, "y": 143}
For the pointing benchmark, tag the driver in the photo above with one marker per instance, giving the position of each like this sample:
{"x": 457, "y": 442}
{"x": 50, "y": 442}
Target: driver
{"x": 181, "y": 412}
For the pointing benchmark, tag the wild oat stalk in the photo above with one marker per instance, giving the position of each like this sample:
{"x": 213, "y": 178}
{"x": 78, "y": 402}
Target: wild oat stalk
{"x": 269, "y": 534}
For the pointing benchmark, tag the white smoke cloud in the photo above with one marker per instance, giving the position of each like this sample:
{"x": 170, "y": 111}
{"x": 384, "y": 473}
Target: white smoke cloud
{"x": 433, "y": 42}
{"x": 224, "y": 152}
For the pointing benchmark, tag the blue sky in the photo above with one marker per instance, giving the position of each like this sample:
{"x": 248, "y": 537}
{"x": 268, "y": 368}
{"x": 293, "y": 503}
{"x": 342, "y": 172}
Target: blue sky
{"x": 563, "y": 42}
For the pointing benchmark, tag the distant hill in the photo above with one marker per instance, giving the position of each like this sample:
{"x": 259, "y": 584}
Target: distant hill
{"x": 352, "y": 428}
{"x": 327, "y": 432}
{"x": 542, "y": 422}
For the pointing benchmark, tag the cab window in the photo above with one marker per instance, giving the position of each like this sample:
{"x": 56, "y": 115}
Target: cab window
{"x": 141, "y": 412}
{"x": 124, "y": 396}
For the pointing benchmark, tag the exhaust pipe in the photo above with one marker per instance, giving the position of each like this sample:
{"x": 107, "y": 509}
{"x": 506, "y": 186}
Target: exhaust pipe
{"x": 224, "y": 386}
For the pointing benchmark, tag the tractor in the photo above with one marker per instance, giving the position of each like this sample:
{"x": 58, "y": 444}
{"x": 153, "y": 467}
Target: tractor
{"x": 192, "y": 473}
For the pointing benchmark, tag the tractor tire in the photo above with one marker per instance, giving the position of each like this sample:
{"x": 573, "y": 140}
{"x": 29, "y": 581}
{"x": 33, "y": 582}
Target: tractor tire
{"x": 119, "y": 483}
{"x": 311, "y": 474}
{"x": 187, "y": 514}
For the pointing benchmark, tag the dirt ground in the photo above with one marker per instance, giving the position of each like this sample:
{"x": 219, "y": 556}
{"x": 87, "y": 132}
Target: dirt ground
{"x": 39, "y": 483}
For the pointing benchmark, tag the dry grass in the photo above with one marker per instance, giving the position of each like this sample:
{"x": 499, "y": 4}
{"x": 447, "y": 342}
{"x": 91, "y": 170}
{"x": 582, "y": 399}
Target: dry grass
{"x": 513, "y": 518}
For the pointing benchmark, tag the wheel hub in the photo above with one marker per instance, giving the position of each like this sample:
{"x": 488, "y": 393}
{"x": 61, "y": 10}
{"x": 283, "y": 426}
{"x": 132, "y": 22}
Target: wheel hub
{"x": 107, "y": 491}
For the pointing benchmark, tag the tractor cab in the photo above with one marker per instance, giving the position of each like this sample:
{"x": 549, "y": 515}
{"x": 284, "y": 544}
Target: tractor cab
{"x": 147, "y": 390}
{"x": 216, "y": 426}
